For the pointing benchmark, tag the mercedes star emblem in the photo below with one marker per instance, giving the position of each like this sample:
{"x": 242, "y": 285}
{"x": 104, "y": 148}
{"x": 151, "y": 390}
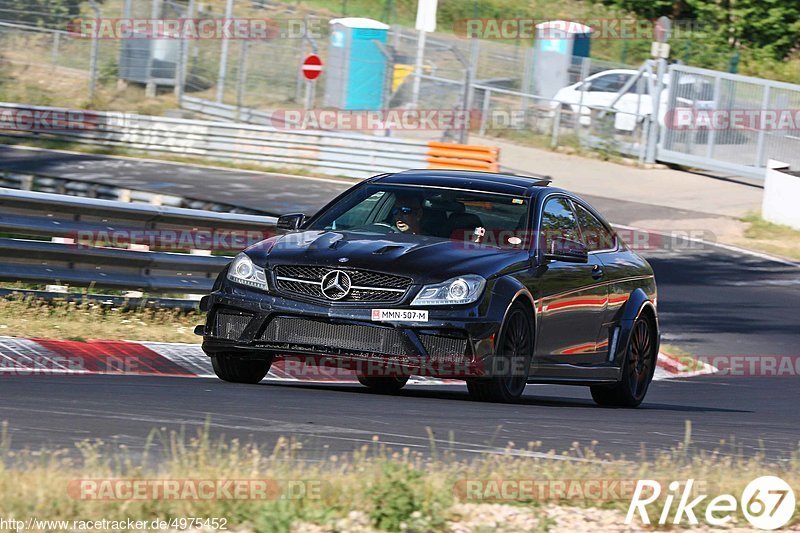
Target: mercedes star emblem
{"x": 336, "y": 285}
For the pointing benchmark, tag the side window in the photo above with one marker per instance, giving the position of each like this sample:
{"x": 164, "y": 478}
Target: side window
{"x": 641, "y": 87}
{"x": 610, "y": 83}
{"x": 558, "y": 220}
{"x": 596, "y": 235}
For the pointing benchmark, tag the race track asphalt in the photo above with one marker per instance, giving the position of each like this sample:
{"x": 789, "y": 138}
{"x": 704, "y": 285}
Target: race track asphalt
{"x": 712, "y": 301}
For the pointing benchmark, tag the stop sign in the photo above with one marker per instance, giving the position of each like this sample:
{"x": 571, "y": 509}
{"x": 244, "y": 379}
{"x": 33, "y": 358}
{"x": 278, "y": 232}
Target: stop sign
{"x": 312, "y": 67}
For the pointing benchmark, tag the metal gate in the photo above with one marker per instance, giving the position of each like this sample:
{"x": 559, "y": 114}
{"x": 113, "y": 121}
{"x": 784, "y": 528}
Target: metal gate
{"x": 725, "y": 122}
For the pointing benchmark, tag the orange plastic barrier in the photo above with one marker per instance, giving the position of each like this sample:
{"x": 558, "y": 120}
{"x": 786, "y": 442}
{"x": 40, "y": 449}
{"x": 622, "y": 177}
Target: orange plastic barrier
{"x": 463, "y": 156}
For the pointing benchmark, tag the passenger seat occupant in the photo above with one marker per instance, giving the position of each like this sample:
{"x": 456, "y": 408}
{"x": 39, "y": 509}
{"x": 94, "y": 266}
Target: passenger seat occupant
{"x": 434, "y": 222}
{"x": 463, "y": 225}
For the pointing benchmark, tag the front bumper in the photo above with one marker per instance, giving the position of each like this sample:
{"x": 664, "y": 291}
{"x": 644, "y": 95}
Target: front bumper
{"x": 251, "y": 323}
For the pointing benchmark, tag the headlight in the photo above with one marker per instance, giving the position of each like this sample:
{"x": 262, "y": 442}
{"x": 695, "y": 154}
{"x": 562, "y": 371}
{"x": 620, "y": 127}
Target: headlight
{"x": 245, "y": 272}
{"x": 460, "y": 290}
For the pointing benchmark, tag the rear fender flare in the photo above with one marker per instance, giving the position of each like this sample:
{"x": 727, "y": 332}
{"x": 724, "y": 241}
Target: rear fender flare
{"x": 637, "y": 303}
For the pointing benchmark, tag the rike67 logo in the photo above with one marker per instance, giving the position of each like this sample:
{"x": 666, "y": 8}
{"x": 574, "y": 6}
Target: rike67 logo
{"x": 768, "y": 503}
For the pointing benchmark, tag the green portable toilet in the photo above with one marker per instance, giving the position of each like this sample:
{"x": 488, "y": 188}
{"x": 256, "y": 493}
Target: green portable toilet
{"x": 356, "y": 71}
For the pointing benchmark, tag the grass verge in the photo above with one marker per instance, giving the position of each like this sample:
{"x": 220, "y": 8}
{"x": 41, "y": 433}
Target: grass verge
{"x": 771, "y": 238}
{"x": 374, "y": 488}
{"x": 34, "y": 318}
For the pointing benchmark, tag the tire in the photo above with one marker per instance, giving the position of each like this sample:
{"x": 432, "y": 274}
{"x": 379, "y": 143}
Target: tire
{"x": 238, "y": 369}
{"x": 637, "y": 369}
{"x": 384, "y": 385}
{"x": 515, "y": 350}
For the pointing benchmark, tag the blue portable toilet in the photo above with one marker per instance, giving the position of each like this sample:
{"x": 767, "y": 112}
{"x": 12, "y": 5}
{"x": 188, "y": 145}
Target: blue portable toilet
{"x": 356, "y": 71}
{"x": 557, "y": 42}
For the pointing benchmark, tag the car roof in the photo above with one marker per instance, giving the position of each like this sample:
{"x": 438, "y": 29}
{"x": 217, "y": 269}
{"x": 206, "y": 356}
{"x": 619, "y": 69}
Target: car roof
{"x": 471, "y": 180}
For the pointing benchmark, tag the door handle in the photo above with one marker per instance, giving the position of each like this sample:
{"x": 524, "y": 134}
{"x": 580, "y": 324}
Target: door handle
{"x": 597, "y": 272}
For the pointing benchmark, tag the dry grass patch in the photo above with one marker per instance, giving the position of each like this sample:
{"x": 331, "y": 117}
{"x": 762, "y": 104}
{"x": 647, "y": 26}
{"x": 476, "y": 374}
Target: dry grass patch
{"x": 33, "y": 318}
{"x": 374, "y": 488}
{"x": 771, "y": 238}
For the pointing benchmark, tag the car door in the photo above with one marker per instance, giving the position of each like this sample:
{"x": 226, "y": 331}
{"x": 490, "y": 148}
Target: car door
{"x": 572, "y": 299}
{"x": 601, "y": 242}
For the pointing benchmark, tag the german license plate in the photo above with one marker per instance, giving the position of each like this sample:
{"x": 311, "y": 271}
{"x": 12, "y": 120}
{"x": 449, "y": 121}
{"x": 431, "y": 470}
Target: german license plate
{"x": 399, "y": 315}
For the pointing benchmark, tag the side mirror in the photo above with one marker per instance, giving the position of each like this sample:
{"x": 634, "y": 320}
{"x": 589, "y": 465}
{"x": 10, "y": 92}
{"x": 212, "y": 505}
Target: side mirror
{"x": 290, "y": 222}
{"x": 567, "y": 251}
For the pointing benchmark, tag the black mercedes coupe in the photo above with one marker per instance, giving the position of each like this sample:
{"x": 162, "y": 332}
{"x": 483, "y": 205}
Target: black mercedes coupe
{"x": 495, "y": 279}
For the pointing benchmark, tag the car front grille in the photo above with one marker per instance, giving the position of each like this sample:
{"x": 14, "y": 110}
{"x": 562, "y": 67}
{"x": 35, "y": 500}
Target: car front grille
{"x": 366, "y": 286}
{"x": 310, "y": 335}
{"x": 296, "y": 333}
{"x": 230, "y": 324}
{"x": 443, "y": 346}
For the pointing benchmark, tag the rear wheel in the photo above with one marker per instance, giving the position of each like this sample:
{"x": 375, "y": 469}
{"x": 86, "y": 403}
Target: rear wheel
{"x": 513, "y": 358}
{"x": 384, "y": 385}
{"x": 637, "y": 369}
{"x": 238, "y": 369}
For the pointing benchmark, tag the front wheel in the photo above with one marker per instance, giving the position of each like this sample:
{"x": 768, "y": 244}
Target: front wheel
{"x": 384, "y": 385}
{"x": 238, "y": 369}
{"x": 637, "y": 369}
{"x": 513, "y": 357}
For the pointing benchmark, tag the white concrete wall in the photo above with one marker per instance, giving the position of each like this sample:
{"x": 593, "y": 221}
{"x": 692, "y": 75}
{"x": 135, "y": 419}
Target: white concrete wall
{"x": 781, "y": 195}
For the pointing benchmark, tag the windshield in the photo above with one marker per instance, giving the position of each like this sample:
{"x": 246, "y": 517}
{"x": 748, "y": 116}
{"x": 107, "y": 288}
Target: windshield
{"x": 480, "y": 218}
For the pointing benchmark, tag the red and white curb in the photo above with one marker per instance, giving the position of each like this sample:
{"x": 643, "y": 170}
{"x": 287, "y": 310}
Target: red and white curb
{"x": 49, "y": 356}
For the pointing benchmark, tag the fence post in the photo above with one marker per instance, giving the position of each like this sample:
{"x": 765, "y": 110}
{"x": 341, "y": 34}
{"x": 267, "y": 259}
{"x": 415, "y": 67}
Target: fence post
{"x": 527, "y": 77}
{"x": 93, "y": 53}
{"x": 223, "y": 60}
{"x": 150, "y": 88}
{"x": 712, "y": 133}
{"x": 56, "y": 39}
{"x": 469, "y": 80}
{"x": 652, "y": 139}
{"x": 556, "y": 127}
{"x": 418, "y": 68}
{"x": 183, "y": 60}
{"x": 242, "y": 77}
{"x": 487, "y": 96}
{"x": 761, "y": 130}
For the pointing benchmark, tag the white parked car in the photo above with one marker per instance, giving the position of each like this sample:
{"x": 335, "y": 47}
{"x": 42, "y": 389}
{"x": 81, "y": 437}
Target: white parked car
{"x": 601, "y": 89}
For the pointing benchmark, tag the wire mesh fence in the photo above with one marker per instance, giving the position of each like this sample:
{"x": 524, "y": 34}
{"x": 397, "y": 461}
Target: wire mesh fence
{"x": 490, "y": 82}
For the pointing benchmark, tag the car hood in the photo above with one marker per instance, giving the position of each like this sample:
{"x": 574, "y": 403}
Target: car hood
{"x": 426, "y": 259}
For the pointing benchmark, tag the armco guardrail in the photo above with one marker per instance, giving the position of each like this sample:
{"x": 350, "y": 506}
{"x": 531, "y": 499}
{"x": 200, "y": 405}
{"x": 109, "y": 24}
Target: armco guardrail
{"x": 336, "y": 153}
{"x": 117, "y": 245}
